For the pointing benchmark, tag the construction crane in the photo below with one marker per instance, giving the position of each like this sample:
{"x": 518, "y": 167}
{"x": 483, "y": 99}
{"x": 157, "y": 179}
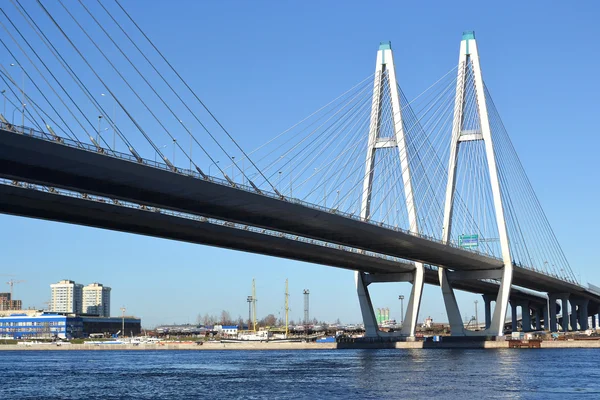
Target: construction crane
{"x": 11, "y": 283}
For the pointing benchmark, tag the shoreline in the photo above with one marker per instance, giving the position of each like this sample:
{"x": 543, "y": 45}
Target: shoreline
{"x": 558, "y": 344}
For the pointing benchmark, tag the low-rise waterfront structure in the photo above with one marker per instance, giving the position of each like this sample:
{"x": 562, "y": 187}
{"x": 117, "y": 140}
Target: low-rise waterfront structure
{"x": 64, "y": 326}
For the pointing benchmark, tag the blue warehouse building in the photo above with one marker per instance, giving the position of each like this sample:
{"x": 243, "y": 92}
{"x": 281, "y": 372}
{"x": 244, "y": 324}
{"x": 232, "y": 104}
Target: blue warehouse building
{"x": 21, "y": 326}
{"x": 47, "y": 326}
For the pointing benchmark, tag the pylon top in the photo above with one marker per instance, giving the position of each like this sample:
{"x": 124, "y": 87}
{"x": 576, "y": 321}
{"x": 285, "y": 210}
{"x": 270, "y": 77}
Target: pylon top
{"x": 468, "y": 35}
{"x": 385, "y": 45}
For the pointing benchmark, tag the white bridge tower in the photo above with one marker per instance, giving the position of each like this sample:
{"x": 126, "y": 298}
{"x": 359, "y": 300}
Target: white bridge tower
{"x": 469, "y": 58}
{"x": 385, "y": 79}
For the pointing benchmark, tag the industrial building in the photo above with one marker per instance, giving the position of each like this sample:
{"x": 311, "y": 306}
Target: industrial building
{"x": 96, "y": 300}
{"x": 52, "y": 325}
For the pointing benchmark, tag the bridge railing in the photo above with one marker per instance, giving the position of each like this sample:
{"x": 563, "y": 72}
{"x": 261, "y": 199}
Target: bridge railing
{"x": 163, "y": 166}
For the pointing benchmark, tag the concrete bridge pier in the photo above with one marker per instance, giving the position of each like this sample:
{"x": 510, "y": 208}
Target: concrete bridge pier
{"x": 537, "y": 314}
{"x": 553, "y": 310}
{"x": 525, "y": 316}
{"x": 564, "y": 308}
{"x": 573, "y": 316}
{"x": 579, "y": 313}
{"x": 409, "y": 325}
{"x": 583, "y": 314}
{"x": 487, "y": 299}
{"x": 513, "y": 315}
{"x": 596, "y": 317}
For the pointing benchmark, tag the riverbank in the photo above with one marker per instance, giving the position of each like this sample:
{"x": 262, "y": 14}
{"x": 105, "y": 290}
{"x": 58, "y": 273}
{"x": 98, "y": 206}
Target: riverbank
{"x": 176, "y": 346}
{"x": 558, "y": 344}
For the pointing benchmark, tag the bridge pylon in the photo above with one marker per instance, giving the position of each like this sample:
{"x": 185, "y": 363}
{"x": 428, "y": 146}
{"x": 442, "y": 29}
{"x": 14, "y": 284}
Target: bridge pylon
{"x": 468, "y": 63}
{"x": 385, "y": 88}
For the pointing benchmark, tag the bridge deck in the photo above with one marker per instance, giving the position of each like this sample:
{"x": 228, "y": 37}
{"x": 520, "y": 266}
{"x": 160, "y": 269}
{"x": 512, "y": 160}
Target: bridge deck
{"x": 33, "y": 203}
{"x": 29, "y": 158}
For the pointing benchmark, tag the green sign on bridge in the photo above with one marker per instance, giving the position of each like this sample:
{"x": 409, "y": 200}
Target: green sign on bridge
{"x": 468, "y": 241}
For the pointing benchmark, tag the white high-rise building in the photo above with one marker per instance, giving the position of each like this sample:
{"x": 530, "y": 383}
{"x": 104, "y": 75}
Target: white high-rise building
{"x": 96, "y": 299}
{"x": 67, "y": 297}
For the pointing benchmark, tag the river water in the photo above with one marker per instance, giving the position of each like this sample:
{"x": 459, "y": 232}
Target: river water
{"x": 314, "y": 374}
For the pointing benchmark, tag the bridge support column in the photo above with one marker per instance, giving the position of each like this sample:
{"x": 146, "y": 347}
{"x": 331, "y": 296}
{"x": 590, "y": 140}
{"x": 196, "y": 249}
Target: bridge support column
{"x": 366, "y": 307}
{"x": 593, "y": 322}
{"x": 564, "y": 298}
{"x": 545, "y": 317}
{"x": 584, "y": 314}
{"x": 573, "y": 316}
{"x": 579, "y": 313}
{"x": 513, "y": 315}
{"x": 409, "y": 325}
{"x": 525, "y": 316}
{"x": 552, "y": 309}
{"x": 487, "y": 299}
{"x": 537, "y": 312}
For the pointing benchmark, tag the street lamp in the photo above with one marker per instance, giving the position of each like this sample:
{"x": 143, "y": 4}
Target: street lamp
{"x": 249, "y": 300}
{"x": 98, "y": 134}
{"x": 22, "y": 90}
{"x": 401, "y": 298}
{"x": 232, "y": 168}
{"x": 123, "y": 321}
{"x": 279, "y": 181}
{"x": 174, "y": 143}
{"x": 13, "y": 115}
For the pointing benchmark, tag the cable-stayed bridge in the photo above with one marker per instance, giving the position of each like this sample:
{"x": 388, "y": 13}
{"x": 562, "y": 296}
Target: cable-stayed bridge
{"x": 426, "y": 191}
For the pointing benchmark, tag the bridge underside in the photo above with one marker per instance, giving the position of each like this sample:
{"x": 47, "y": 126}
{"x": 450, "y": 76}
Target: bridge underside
{"x": 22, "y": 201}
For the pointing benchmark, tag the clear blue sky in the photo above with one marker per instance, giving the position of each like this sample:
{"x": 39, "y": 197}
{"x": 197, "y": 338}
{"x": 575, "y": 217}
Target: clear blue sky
{"x": 262, "y": 66}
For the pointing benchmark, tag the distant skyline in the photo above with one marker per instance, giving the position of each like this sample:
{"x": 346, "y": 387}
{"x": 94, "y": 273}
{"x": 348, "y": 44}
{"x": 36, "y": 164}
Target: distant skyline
{"x": 263, "y": 66}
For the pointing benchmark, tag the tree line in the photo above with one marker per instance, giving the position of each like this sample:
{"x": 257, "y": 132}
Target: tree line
{"x": 225, "y": 319}
{"x": 270, "y": 320}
